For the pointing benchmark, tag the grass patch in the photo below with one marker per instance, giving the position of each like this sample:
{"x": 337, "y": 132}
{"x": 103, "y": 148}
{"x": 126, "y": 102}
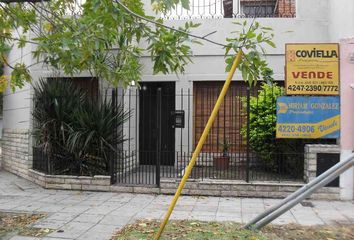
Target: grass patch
{"x": 178, "y": 230}
{"x": 20, "y": 224}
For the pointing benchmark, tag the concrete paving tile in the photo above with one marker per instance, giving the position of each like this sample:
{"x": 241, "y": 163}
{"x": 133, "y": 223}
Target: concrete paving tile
{"x": 134, "y": 206}
{"x": 147, "y": 216}
{"x": 75, "y": 209}
{"x": 180, "y": 207}
{"x": 331, "y": 217}
{"x": 93, "y": 235}
{"x": 88, "y": 218}
{"x": 114, "y": 220}
{"x": 72, "y": 230}
{"x": 104, "y": 196}
{"x": 101, "y": 228}
{"x": 90, "y": 203}
{"x": 151, "y": 215}
{"x": 51, "y": 208}
{"x": 308, "y": 218}
{"x": 205, "y": 208}
{"x": 73, "y": 200}
{"x": 252, "y": 200}
{"x": 53, "y": 198}
{"x": 28, "y": 207}
{"x": 63, "y": 216}
{"x": 83, "y": 214}
{"x": 188, "y": 199}
{"x": 229, "y": 214}
{"x": 158, "y": 205}
{"x": 229, "y": 209}
{"x": 142, "y": 198}
{"x": 52, "y": 224}
{"x": 204, "y": 204}
{"x": 202, "y": 217}
{"x": 122, "y": 197}
{"x": 23, "y": 238}
{"x": 101, "y": 209}
{"x": 203, "y": 212}
{"x": 282, "y": 221}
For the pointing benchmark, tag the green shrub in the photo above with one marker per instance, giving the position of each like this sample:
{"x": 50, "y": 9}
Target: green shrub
{"x": 274, "y": 153}
{"x": 262, "y": 122}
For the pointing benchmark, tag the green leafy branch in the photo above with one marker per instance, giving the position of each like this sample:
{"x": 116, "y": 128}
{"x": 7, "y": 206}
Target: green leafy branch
{"x": 165, "y": 5}
{"x": 253, "y": 66}
{"x": 104, "y": 38}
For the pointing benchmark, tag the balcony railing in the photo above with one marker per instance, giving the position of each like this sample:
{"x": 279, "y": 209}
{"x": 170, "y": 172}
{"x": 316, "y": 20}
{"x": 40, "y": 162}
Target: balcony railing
{"x": 205, "y": 9}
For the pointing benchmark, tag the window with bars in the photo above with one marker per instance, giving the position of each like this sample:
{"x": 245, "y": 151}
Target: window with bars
{"x": 200, "y": 9}
{"x": 258, "y": 8}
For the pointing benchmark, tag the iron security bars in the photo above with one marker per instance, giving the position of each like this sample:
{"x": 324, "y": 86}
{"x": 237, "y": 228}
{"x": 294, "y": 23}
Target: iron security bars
{"x": 165, "y": 124}
{"x": 156, "y": 148}
{"x": 204, "y": 9}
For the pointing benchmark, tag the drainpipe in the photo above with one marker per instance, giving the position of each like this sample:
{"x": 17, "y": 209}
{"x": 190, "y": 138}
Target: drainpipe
{"x": 347, "y": 114}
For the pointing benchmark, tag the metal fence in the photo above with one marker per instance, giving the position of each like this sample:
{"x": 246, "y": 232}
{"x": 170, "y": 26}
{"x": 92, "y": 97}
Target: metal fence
{"x": 204, "y": 9}
{"x": 166, "y": 124}
{"x": 67, "y": 164}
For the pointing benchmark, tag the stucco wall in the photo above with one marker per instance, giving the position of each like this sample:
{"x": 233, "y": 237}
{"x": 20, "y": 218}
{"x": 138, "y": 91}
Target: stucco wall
{"x": 16, "y": 108}
{"x": 340, "y": 19}
{"x": 316, "y": 21}
{"x": 310, "y": 25}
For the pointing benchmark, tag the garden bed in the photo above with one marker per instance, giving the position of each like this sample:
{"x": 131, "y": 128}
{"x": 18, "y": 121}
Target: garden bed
{"x": 12, "y": 224}
{"x": 229, "y": 230}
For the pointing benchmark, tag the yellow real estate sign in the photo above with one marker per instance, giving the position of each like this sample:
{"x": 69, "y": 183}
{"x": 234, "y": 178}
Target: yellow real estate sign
{"x": 312, "y": 69}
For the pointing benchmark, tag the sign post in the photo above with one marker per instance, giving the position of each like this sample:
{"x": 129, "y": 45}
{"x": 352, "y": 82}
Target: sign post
{"x": 312, "y": 69}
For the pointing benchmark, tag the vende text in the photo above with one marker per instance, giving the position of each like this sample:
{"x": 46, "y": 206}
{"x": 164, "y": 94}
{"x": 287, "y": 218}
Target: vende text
{"x": 310, "y": 75}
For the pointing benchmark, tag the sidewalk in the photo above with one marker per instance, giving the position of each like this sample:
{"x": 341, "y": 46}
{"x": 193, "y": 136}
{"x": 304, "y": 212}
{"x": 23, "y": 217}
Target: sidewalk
{"x": 96, "y": 215}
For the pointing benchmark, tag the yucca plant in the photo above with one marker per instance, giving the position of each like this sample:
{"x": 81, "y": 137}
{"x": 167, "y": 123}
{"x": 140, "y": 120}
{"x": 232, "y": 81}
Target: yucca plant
{"x": 54, "y": 102}
{"x": 78, "y": 135}
{"x": 95, "y": 134}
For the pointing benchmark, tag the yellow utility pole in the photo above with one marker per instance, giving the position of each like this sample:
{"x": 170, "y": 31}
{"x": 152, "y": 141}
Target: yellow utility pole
{"x": 200, "y": 143}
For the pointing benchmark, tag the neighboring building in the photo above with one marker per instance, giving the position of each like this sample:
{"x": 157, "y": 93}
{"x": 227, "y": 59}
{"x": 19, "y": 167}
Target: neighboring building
{"x": 303, "y": 21}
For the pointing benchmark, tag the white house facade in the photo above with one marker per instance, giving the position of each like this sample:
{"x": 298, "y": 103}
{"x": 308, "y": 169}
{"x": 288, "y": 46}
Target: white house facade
{"x": 188, "y": 98}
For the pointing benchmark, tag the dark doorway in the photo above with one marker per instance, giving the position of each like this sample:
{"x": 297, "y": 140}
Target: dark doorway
{"x": 148, "y": 123}
{"x": 324, "y": 162}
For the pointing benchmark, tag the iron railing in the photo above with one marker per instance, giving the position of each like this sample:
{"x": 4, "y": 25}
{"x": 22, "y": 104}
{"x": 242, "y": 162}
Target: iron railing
{"x": 67, "y": 164}
{"x": 288, "y": 167}
{"x": 156, "y": 148}
{"x": 204, "y": 9}
{"x": 165, "y": 125}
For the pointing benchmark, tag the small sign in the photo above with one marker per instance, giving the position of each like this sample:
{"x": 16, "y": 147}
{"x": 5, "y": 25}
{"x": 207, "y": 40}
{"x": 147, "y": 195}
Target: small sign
{"x": 308, "y": 117}
{"x": 178, "y": 118}
{"x": 312, "y": 69}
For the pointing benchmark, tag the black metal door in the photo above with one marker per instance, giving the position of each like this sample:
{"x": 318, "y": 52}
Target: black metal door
{"x": 148, "y": 123}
